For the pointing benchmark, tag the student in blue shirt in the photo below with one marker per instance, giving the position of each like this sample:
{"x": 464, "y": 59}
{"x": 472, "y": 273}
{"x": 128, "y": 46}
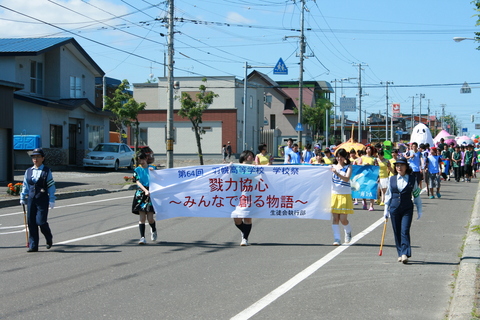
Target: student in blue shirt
{"x": 433, "y": 166}
{"x": 39, "y": 186}
{"x": 142, "y": 204}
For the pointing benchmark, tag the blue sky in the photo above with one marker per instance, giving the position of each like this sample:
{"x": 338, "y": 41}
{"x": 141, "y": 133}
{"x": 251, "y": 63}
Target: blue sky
{"x": 407, "y": 42}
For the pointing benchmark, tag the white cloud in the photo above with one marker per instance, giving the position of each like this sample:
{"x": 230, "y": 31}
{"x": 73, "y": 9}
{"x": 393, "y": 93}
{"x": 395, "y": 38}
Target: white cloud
{"x": 234, "y": 17}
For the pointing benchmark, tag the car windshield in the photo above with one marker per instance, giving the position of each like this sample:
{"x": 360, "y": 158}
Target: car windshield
{"x": 106, "y": 148}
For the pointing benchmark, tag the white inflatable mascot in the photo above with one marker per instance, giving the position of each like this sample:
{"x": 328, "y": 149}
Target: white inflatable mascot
{"x": 421, "y": 134}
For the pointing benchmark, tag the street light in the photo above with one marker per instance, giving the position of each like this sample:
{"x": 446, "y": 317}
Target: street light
{"x": 458, "y": 39}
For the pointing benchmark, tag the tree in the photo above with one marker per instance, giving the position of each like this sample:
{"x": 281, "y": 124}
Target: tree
{"x": 314, "y": 117}
{"x": 477, "y": 9}
{"x": 193, "y": 110}
{"x": 454, "y": 123}
{"x": 125, "y": 109}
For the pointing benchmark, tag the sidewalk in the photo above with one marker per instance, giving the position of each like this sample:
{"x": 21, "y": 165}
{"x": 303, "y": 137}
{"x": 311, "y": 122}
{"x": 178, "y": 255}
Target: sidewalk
{"x": 78, "y": 183}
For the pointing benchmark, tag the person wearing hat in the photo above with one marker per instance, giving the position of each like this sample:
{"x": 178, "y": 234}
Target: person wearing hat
{"x": 38, "y": 192}
{"x": 402, "y": 187}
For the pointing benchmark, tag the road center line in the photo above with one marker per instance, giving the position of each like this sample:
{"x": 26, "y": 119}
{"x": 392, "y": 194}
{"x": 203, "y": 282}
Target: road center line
{"x": 302, "y": 275}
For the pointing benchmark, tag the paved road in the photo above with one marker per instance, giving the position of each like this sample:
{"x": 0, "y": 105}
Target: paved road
{"x": 198, "y": 271}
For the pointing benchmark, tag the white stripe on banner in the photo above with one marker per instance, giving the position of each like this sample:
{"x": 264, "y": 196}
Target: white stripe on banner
{"x": 242, "y": 191}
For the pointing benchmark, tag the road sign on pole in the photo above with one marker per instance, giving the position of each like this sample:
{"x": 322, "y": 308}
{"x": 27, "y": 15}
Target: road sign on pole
{"x": 280, "y": 67}
{"x": 348, "y": 104}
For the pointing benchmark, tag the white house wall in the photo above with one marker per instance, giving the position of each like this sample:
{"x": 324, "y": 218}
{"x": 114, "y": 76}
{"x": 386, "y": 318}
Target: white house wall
{"x": 185, "y": 142}
{"x": 75, "y": 68}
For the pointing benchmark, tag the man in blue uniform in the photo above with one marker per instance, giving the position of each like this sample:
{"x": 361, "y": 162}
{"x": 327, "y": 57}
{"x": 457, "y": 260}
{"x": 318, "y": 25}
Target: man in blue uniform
{"x": 39, "y": 186}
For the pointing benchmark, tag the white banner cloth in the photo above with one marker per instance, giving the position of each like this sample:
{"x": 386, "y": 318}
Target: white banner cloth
{"x": 242, "y": 191}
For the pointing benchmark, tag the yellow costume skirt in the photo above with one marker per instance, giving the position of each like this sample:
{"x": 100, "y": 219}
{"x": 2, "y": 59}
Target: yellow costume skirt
{"x": 342, "y": 203}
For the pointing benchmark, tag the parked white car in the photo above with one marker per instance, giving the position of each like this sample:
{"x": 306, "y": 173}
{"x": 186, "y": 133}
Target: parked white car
{"x": 110, "y": 155}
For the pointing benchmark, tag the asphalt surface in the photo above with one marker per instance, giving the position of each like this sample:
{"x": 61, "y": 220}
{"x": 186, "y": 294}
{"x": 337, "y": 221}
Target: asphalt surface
{"x": 197, "y": 270}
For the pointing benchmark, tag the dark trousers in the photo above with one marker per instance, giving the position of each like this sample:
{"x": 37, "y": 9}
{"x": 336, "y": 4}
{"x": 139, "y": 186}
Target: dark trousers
{"x": 401, "y": 222}
{"x": 456, "y": 172}
{"x": 37, "y": 217}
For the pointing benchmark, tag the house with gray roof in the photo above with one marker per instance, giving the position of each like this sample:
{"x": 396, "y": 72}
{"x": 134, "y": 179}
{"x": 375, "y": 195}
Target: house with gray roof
{"x": 57, "y": 102}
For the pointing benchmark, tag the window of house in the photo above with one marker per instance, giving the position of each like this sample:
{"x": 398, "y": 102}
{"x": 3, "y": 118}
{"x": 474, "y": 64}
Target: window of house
{"x": 76, "y": 87}
{"x": 56, "y": 136}
{"x": 95, "y": 136}
{"x": 272, "y": 121}
{"x": 36, "y": 77}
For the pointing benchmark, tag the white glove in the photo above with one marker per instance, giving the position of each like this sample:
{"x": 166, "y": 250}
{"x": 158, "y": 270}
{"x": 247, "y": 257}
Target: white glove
{"x": 419, "y": 214}
{"x": 22, "y": 202}
{"x": 51, "y": 205}
{"x": 386, "y": 213}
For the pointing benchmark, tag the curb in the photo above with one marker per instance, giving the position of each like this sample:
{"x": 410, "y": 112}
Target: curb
{"x": 72, "y": 194}
{"x": 463, "y": 300}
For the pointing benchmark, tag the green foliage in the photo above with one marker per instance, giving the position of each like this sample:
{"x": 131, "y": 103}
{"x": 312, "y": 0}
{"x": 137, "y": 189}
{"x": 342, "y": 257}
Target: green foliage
{"x": 193, "y": 109}
{"x": 314, "y": 116}
{"x": 454, "y": 123}
{"x": 477, "y": 14}
{"x": 123, "y": 106}
{"x": 125, "y": 109}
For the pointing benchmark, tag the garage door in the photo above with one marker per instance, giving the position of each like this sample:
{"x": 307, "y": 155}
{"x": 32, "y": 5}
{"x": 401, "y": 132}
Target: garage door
{"x": 3, "y": 154}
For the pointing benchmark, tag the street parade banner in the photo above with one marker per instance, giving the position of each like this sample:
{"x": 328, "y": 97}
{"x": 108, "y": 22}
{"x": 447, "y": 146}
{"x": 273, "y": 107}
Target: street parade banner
{"x": 364, "y": 182}
{"x": 242, "y": 191}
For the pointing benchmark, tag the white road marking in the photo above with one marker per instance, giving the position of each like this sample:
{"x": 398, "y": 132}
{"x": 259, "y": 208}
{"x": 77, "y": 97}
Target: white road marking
{"x": 69, "y": 205}
{"x": 302, "y": 275}
{"x": 21, "y": 230}
{"x": 98, "y": 234}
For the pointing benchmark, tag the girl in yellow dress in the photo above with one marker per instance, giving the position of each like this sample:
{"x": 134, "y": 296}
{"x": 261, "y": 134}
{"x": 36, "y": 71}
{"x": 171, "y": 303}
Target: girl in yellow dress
{"x": 263, "y": 158}
{"x": 342, "y": 204}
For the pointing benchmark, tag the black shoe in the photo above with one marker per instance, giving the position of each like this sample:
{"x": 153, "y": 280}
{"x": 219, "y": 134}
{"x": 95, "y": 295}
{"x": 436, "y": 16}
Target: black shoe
{"x": 49, "y": 245}
{"x": 32, "y": 250}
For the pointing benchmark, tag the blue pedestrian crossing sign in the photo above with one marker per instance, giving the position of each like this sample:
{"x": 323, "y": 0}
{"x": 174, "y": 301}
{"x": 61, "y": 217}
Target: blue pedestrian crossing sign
{"x": 299, "y": 127}
{"x": 280, "y": 67}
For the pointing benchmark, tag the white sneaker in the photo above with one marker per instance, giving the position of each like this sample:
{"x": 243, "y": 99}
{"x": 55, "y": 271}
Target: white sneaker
{"x": 154, "y": 235}
{"x": 142, "y": 241}
{"x": 244, "y": 242}
{"x": 336, "y": 242}
{"x": 348, "y": 237}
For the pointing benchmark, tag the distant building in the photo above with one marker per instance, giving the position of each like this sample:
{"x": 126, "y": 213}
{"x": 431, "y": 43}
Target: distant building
{"x": 222, "y": 121}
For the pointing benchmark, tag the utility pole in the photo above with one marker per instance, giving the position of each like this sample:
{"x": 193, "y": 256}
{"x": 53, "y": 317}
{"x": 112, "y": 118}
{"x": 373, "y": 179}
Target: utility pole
{"x": 443, "y": 114}
{"x": 421, "y": 95}
{"x": 386, "y": 113}
{"x": 428, "y": 113}
{"x": 170, "y": 113}
{"x": 300, "y": 82}
{"x": 360, "y": 100}
{"x": 342, "y": 123}
{"x": 413, "y": 117}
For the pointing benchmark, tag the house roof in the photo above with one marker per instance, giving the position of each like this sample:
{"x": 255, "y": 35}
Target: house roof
{"x": 64, "y": 104}
{"x": 268, "y": 81}
{"x": 14, "y": 85}
{"x": 37, "y": 46}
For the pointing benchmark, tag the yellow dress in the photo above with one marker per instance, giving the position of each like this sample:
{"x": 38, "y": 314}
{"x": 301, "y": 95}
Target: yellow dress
{"x": 392, "y": 165}
{"x": 263, "y": 159}
{"x": 368, "y": 160}
{"x": 383, "y": 170}
{"x": 327, "y": 160}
